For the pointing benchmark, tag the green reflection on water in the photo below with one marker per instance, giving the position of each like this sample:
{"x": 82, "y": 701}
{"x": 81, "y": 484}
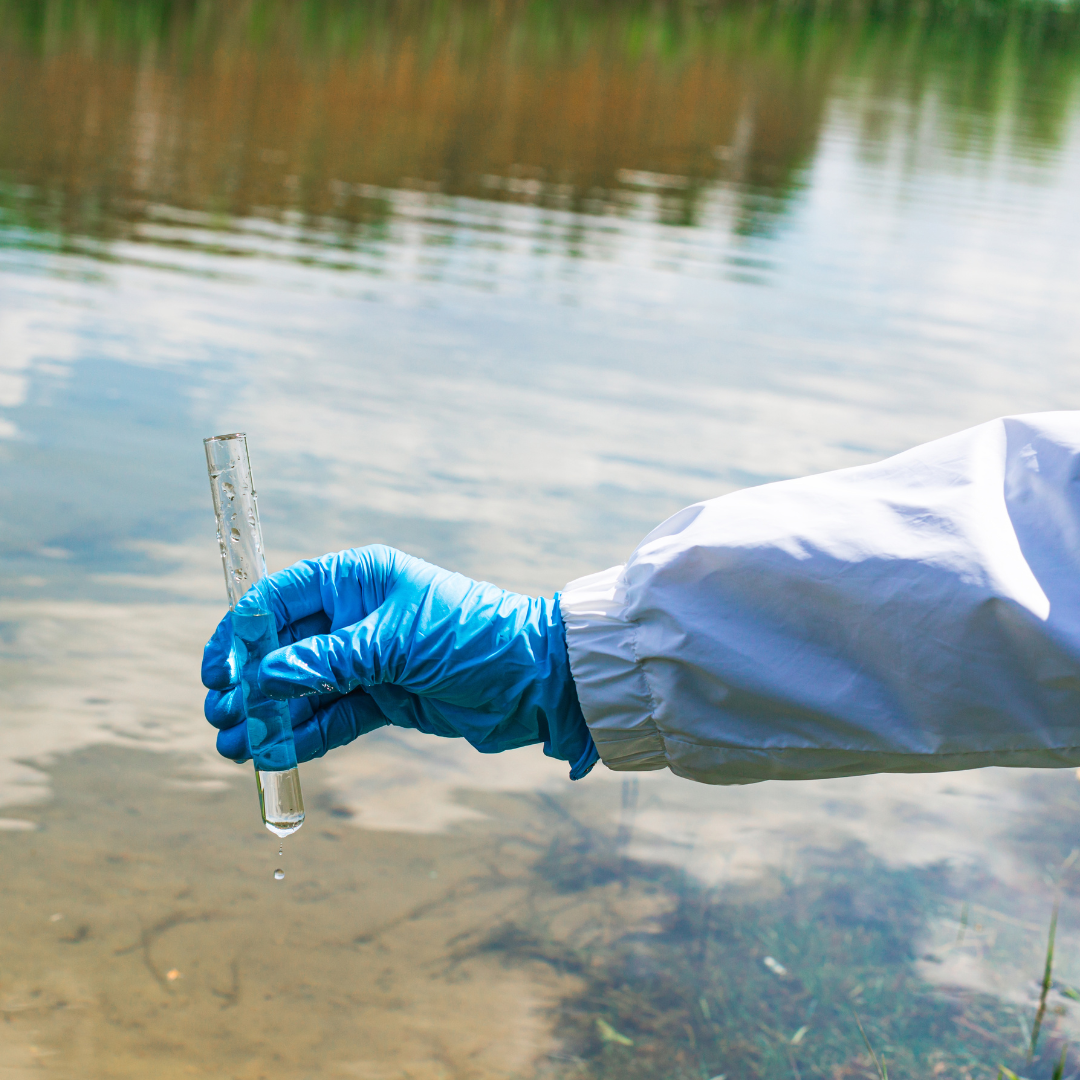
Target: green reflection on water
{"x": 108, "y": 110}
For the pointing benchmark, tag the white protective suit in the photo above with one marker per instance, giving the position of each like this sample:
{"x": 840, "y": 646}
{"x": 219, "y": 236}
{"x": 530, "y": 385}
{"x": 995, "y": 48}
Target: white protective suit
{"x": 918, "y": 614}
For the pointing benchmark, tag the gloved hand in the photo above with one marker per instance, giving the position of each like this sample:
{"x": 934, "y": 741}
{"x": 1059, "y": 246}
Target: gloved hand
{"x": 373, "y": 636}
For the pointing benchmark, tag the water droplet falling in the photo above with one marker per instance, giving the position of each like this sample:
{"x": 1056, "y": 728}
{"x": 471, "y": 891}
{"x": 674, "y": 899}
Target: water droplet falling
{"x": 279, "y": 875}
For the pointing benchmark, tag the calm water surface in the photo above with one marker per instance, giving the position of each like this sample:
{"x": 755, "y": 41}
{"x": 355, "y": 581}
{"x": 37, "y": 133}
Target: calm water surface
{"x": 502, "y": 285}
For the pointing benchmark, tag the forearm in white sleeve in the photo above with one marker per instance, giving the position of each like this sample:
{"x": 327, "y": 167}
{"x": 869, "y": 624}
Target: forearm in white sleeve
{"x": 915, "y": 615}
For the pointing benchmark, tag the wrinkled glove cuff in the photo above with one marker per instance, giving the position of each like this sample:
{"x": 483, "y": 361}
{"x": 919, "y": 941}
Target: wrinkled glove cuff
{"x": 569, "y": 737}
{"x": 584, "y": 764}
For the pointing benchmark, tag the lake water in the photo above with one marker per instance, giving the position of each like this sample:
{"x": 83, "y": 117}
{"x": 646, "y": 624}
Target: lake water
{"x": 503, "y": 285}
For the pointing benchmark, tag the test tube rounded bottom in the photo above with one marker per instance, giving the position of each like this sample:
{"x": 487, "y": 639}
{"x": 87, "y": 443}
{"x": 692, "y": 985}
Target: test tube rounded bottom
{"x": 281, "y": 800}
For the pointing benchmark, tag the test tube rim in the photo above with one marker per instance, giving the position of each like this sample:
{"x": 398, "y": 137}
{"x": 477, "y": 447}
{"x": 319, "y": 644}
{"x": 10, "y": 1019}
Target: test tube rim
{"x": 225, "y": 438}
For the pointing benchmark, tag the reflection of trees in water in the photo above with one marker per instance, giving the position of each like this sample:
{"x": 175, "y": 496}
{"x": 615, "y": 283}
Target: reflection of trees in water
{"x": 599, "y": 108}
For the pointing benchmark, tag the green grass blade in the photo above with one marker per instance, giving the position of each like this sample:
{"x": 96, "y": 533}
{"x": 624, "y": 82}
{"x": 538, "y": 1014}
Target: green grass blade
{"x": 877, "y": 1063}
{"x": 1047, "y": 977}
{"x": 1059, "y": 1069}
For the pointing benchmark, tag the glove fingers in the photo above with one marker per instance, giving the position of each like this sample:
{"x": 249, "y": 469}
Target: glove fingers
{"x": 337, "y": 724}
{"x": 324, "y": 664}
{"x": 232, "y": 743}
{"x": 296, "y": 592}
{"x": 219, "y": 662}
{"x": 375, "y": 612}
{"x": 218, "y": 665}
{"x": 344, "y": 587}
{"x": 308, "y": 626}
{"x": 224, "y": 708}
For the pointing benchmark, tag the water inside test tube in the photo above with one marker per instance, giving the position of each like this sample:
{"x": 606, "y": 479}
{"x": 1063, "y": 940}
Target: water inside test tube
{"x": 281, "y": 799}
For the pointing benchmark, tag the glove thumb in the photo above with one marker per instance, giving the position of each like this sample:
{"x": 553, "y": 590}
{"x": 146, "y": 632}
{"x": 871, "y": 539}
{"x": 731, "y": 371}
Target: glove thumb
{"x": 321, "y": 664}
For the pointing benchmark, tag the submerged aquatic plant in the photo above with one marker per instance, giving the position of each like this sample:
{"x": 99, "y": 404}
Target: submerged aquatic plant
{"x": 879, "y": 1063}
{"x": 1048, "y": 972}
{"x": 754, "y": 980}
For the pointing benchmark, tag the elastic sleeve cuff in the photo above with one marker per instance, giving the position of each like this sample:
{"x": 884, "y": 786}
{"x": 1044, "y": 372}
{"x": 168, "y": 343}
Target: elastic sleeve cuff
{"x": 610, "y": 682}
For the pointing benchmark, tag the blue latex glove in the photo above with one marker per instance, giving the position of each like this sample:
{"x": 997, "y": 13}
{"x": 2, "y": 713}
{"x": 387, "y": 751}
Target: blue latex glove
{"x": 373, "y": 636}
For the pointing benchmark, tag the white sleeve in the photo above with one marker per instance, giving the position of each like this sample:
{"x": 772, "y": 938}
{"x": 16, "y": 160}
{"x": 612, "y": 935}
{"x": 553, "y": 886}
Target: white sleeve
{"x": 918, "y": 614}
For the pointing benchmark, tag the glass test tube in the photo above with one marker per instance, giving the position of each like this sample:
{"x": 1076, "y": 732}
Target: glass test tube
{"x": 254, "y": 635}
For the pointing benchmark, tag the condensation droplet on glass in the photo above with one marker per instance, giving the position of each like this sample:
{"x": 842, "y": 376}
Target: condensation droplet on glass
{"x": 234, "y": 536}
{"x": 239, "y": 574}
{"x": 279, "y": 875}
{"x": 229, "y": 490}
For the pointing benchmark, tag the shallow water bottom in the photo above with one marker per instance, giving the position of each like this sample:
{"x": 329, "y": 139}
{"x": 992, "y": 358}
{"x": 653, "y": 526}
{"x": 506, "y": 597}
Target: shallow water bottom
{"x": 144, "y": 934}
